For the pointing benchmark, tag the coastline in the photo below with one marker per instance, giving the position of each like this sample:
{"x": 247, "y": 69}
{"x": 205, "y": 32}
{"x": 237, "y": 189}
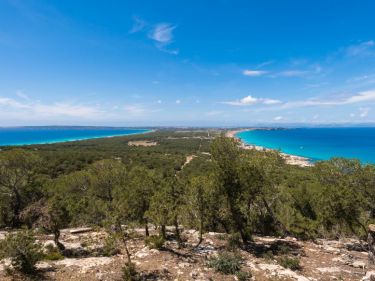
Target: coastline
{"x": 289, "y": 158}
{"x": 77, "y": 139}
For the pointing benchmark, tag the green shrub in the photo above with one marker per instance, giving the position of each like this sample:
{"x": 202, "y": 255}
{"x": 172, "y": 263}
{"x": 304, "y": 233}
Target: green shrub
{"x": 226, "y": 262}
{"x": 233, "y": 242}
{"x": 23, "y": 251}
{"x": 155, "y": 242}
{"x": 282, "y": 249}
{"x": 129, "y": 273}
{"x": 52, "y": 253}
{"x": 289, "y": 262}
{"x": 110, "y": 247}
{"x": 268, "y": 255}
{"x": 243, "y": 275}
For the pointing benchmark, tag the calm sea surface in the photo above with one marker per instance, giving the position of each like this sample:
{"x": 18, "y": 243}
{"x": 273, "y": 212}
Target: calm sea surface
{"x": 35, "y": 135}
{"x": 317, "y": 143}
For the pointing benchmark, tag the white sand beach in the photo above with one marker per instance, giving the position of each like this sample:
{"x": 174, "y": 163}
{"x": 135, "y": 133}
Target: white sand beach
{"x": 289, "y": 158}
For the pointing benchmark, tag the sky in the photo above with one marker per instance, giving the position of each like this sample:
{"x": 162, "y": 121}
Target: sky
{"x": 187, "y": 62}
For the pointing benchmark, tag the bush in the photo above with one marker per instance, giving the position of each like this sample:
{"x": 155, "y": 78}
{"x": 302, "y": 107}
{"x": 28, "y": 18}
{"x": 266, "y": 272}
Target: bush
{"x": 268, "y": 255}
{"x": 225, "y": 262}
{"x": 52, "y": 253}
{"x": 110, "y": 247}
{"x": 243, "y": 275}
{"x": 23, "y": 251}
{"x": 289, "y": 262}
{"x": 129, "y": 273}
{"x": 155, "y": 242}
{"x": 234, "y": 242}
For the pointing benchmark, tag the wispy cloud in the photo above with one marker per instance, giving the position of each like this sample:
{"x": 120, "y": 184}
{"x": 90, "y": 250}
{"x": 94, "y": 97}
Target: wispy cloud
{"x": 162, "y": 34}
{"x": 365, "y": 96}
{"x": 8, "y": 102}
{"x": 363, "y": 48}
{"x": 138, "y": 25}
{"x": 364, "y": 111}
{"x": 292, "y": 73}
{"x": 254, "y": 73}
{"x": 250, "y": 100}
{"x": 135, "y": 110}
{"x": 50, "y": 110}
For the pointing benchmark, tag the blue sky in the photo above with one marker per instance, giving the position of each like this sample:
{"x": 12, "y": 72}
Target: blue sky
{"x": 201, "y": 63}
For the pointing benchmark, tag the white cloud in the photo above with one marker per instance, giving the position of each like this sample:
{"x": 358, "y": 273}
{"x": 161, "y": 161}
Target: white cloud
{"x": 162, "y": 33}
{"x": 66, "y": 109}
{"x": 364, "y": 48}
{"x": 135, "y": 110}
{"x": 12, "y": 103}
{"x": 22, "y": 95}
{"x": 138, "y": 25}
{"x": 254, "y": 73}
{"x": 364, "y": 111}
{"x": 361, "y": 97}
{"x": 250, "y": 100}
{"x": 293, "y": 73}
{"x": 278, "y": 118}
{"x": 366, "y": 96}
{"x": 49, "y": 110}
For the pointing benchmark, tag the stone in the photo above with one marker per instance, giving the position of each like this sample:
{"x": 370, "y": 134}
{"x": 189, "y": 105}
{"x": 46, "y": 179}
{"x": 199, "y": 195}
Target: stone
{"x": 370, "y": 276}
{"x": 359, "y": 264}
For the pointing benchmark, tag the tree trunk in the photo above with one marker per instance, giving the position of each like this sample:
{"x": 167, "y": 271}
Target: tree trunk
{"x": 163, "y": 231}
{"x": 200, "y": 232}
{"x": 146, "y": 228}
{"x": 56, "y": 238}
{"x": 177, "y": 231}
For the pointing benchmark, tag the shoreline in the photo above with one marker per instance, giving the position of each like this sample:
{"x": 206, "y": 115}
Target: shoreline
{"x": 76, "y": 139}
{"x": 289, "y": 158}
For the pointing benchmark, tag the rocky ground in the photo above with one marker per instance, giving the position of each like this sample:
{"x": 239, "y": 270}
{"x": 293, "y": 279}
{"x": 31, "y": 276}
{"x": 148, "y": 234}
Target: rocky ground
{"x": 319, "y": 260}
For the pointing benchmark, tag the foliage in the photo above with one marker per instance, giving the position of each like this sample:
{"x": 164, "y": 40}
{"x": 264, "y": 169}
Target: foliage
{"x": 243, "y": 275}
{"x": 289, "y": 262}
{"x": 23, "y": 251}
{"x": 129, "y": 273}
{"x": 155, "y": 241}
{"x": 52, "y": 253}
{"x": 106, "y": 182}
{"x": 111, "y": 246}
{"x": 226, "y": 263}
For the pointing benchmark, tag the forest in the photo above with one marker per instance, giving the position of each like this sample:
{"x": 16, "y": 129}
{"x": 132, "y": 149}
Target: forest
{"x": 106, "y": 183}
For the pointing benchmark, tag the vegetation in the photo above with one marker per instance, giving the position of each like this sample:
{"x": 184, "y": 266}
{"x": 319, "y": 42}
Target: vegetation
{"x": 226, "y": 263}
{"x": 107, "y": 183}
{"x": 23, "y": 251}
{"x": 289, "y": 262}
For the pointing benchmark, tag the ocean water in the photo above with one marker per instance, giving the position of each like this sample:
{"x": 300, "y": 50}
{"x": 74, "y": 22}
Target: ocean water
{"x": 317, "y": 143}
{"x": 42, "y": 135}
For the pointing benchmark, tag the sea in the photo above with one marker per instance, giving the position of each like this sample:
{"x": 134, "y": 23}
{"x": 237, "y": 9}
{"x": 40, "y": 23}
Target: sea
{"x": 45, "y": 135}
{"x": 317, "y": 143}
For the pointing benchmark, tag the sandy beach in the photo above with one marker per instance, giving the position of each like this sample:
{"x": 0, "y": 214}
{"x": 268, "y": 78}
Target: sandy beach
{"x": 289, "y": 158}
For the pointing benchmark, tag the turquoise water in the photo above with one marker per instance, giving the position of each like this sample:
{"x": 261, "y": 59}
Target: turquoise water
{"x": 317, "y": 143}
{"x": 43, "y": 135}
